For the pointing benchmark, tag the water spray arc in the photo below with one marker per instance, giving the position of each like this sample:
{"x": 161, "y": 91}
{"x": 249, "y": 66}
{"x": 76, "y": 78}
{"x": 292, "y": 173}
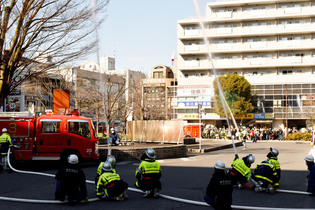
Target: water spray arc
{"x": 101, "y": 81}
{"x": 222, "y": 98}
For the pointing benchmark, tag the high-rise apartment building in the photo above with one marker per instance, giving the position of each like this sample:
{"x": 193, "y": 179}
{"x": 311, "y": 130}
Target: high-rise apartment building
{"x": 270, "y": 43}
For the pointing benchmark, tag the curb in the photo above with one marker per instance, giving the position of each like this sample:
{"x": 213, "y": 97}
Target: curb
{"x": 213, "y": 148}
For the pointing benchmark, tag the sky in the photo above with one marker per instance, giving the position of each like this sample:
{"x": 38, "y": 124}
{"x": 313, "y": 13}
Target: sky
{"x": 142, "y": 33}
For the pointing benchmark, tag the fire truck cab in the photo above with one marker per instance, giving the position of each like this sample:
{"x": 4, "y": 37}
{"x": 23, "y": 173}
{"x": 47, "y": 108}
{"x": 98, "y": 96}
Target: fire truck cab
{"x": 51, "y": 137}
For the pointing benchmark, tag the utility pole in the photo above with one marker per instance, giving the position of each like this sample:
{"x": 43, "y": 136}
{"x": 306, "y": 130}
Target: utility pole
{"x": 200, "y": 110}
{"x": 286, "y": 110}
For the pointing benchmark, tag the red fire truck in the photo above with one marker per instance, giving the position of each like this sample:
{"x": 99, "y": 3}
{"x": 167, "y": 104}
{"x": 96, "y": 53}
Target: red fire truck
{"x": 51, "y": 137}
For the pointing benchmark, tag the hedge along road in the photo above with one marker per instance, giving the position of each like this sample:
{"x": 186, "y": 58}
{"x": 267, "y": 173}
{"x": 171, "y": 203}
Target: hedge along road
{"x": 184, "y": 178}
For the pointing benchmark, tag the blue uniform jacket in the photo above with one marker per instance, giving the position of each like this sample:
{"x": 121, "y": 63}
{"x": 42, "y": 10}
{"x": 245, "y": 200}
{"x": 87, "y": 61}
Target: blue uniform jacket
{"x": 311, "y": 180}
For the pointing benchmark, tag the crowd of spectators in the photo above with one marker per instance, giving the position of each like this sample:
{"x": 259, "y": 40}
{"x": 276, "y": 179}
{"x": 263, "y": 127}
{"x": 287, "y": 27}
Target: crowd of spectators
{"x": 252, "y": 133}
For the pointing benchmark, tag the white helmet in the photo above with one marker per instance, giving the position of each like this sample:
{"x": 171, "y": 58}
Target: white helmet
{"x": 274, "y": 152}
{"x": 73, "y": 159}
{"x": 112, "y": 161}
{"x": 106, "y": 166}
{"x": 150, "y": 153}
{"x": 309, "y": 158}
{"x": 4, "y": 130}
{"x": 219, "y": 165}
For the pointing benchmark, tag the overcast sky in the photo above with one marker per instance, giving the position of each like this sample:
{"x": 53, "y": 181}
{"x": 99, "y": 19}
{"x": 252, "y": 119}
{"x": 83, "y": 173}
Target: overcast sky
{"x": 142, "y": 33}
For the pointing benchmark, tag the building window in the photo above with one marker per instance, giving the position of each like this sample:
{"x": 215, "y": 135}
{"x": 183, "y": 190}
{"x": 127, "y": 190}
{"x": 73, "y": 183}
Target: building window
{"x": 158, "y": 74}
{"x": 51, "y": 126}
{"x": 285, "y": 72}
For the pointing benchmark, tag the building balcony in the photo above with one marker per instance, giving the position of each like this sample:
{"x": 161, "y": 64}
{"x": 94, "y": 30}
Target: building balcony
{"x": 262, "y": 14}
{"x": 279, "y": 79}
{"x": 247, "y": 31}
{"x": 241, "y": 47}
{"x": 261, "y": 30}
{"x": 259, "y": 62}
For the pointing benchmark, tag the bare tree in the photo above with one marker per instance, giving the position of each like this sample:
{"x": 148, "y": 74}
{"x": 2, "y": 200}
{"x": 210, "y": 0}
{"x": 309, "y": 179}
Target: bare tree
{"x": 33, "y": 32}
{"x": 89, "y": 97}
{"x": 115, "y": 97}
{"x": 44, "y": 84}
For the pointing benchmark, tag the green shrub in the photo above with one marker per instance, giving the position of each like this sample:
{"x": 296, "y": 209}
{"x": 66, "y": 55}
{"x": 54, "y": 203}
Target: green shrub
{"x": 299, "y": 137}
{"x": 122, "y": 136}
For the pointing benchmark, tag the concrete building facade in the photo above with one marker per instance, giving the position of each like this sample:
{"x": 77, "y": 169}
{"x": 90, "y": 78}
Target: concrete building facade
{"x": 158, "y": 96}
{"x": 270, "y": 43}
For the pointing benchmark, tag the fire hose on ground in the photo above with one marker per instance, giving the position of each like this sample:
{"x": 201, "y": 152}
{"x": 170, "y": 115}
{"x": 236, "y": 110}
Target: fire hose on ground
{"x": 134, "y": 190}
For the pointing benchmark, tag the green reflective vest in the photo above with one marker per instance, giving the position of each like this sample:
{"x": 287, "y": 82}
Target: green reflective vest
{"x": 240, "y": 166}
{"x": 105, "y": 179}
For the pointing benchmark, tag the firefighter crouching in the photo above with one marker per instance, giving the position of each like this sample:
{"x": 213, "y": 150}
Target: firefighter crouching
{"x": 148, "y": 174}
{"x": 110, "y": 186}
{"x": 309, "y": 159}
{"x": 219, "y": 189}
{"x": 264, "y": 177}
{"x": 112, "y": 161}
{"x": 240, "y": 171}
{"x": 71, "y": 182}
{"x": 273, "y": 159}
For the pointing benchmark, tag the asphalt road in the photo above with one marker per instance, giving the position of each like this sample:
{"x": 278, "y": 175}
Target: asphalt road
{"x": 185, "y": 178}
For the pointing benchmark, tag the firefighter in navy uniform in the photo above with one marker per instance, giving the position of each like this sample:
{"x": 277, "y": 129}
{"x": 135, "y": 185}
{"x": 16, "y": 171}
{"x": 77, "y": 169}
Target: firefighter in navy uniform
{"x": 309, "y": 159}
{"x": 112, "y": 161}
{"x": 71, "y": 182}
{"x": 110, "y": 185}
{"x": 273, "y": 159}
{"x": 5, "y": 142}
{"x": 240, "y": 171}
{"x": 219, "y": 189}
{"x": 148, "y": 174}
{"x": 264, "y": 176}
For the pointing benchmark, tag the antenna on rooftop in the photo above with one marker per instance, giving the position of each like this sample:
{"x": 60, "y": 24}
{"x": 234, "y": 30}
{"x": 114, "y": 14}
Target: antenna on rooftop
{"x": 114, "y": 51}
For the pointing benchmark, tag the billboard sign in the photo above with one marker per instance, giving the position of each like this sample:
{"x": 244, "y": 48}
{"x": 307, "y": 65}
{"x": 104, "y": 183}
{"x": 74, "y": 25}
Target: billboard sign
{"x": 190, "y": 91}
{"x": 13, "y": 104}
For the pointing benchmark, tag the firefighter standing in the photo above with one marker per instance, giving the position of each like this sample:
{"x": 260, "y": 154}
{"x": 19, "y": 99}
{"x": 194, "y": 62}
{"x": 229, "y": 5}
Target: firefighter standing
{"x": 241, "y": 170}
{"x": 71, "y": 182}
{"x": 110, "y": 185}
{"x": 273, "y": 159}
{"x": 112, "y": 161}
{"x": 309, "y": 159}
{"x": 5, "y": 142}
{"x": 244, "y": 136}
{"x": 148, "y": 174}
{"x": 219, "y": 189}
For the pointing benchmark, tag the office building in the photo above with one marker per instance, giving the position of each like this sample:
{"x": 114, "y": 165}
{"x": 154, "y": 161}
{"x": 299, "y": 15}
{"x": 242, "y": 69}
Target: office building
{"x": 270, "y": 43}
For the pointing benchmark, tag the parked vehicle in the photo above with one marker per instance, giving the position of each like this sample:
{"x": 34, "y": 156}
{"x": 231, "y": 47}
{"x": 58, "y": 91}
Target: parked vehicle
{"x": 51, "y": 137}
{"x": 192, "y": 130}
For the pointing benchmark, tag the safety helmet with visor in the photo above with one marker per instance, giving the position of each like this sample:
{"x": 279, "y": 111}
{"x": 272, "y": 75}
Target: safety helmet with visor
{"x": 274, "y": 152}
{"x": 106, "y": 166}
{"x": 219, "y": 165}
{"x": 309, "y": 158}
{"x": 150, "y": 153}
{"x": 73, "y": 159}
{"x": 112, "y": 161}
